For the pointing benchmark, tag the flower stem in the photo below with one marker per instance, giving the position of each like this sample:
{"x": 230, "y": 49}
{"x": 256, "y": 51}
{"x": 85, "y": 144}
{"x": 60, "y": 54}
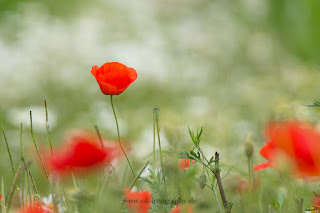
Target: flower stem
{"x": 115, "y": 117}
{"x": 9, "y": 153}
{"x": 250, "y": 174}
{"x": 156, "y": 113}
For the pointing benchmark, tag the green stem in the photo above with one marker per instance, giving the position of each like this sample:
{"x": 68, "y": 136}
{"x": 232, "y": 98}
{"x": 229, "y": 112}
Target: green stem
{"x": 35, "y": 144}
{"x": 99, "y": 135}
{"x": 28, "y": 182}
{"x": 154, "y": 142}
{"x": 13, "y": 188}
{"x": 250, "y": 174}
{"x": 8, "y": 149}
{"x": 33, "y": 183}
{"x": 160, "y": 150}
{"x": 3, "y": 200}
{"x": 22, "y": 174}
{"x": 135, "y": 180}
{"x": 115, "y": 117}
{"x": 74, "y": 181}
{"x": 65, "y": 197}
{"x": 47, "y": 126}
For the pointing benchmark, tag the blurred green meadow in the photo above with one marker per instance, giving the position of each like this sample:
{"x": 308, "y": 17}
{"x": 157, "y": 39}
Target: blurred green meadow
{"x": 229, "y": 66}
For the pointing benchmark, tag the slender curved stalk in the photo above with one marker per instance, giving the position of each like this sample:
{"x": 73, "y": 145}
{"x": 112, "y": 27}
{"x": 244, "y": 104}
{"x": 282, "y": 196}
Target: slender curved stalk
{"x": 13, "y": 188}
{"x": 154, "y": 142}
{"x": 47, "y": 126}
{"x": 9, "y": 153}
{"x": 156, "y": 110}
{"x": 115, "y": 117}
{"x": 22, "y": 174}
{"x": 28, "y": 182}
{"x": 35, "y": 144}
{"x": 65, "y": 196}
{"x": 33, "y": 183}
{"x": 99, "y": 135}
{"x": 3, "y": 200}
{"x": 135, "y": 180}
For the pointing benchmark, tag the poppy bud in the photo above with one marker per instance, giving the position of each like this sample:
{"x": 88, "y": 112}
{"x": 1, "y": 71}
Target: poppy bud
{"x": 248, "y": 149}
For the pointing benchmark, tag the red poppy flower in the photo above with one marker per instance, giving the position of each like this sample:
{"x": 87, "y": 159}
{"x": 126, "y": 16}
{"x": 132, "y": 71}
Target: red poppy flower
{"x": 296, "y": 142}
{"x": 185, "y": 163}
{"x": 179, "y": 208}
{"x": 0, "y": 197}
{"x": 113, "y": 77}
{"x": 81, "y": 153}
{"x": 36, "y": 208}
{"x": 138, "y": 202}
{"x": 316, "y": 202}
{"x": 243, "y": 185}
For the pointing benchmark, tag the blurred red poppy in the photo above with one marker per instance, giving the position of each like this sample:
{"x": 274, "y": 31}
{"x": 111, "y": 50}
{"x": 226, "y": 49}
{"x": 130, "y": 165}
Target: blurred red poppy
{"x": 81, "y": 153}
{"x": 179, "y": 208}
{"x": 113, "y": 77}
{"x": 243, "y": 185}
{"x": 296, "y": 142}
{"x": 316, "y": 202}
{"x": 36, "y": 208}
{"x": 185, "y": 163}
{"x": 138, "y": 202}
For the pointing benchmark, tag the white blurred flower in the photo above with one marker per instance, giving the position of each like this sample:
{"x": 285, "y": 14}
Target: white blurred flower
{"x": 22, "y": 115}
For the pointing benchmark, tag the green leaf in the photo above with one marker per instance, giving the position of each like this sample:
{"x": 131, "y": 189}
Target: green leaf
{"x": 280, "y": 199}
{"x": 184, "y": 155}
{"x": 315, "y": 104}
{"x": 211, "y": 160}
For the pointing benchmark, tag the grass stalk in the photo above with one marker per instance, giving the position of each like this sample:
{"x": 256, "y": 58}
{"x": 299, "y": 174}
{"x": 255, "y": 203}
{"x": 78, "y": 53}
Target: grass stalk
{"x": 13, "y": 188}
{"x": 65, "y": 197}
{"x": 35, "y": 144}
{"x": 33, "y": 183}
{"x": 28, "y": 182}
{"x": 156, "y": 113}
{"x": 154, "y": 141}
{"x": 99, "y": 135}
{"x": 9, "y": 153}
{"x": 3, "y": 200}
{"x": 47, "y": 126}
{"x": 135, "y": 180}
{"x": 22, "y": 173}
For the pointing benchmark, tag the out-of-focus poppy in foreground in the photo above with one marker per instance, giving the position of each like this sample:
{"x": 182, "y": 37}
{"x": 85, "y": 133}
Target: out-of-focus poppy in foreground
{"x": 138, "y": 202}
{"x": 81, "y": 153}
{"x": 295, "y": 142}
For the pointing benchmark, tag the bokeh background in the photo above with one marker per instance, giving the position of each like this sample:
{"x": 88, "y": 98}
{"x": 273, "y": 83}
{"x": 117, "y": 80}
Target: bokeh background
{"x": 229, "y": 66}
